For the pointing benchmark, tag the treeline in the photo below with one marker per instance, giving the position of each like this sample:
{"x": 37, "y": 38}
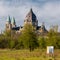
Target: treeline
{"x": 28, "y": 39}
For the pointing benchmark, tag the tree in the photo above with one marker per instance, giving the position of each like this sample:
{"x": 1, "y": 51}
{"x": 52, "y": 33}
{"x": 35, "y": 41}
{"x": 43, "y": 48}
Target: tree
{"x": 29, "y": 37}
{"x": 52, "y": 38}
{"x": 42, "y": 42}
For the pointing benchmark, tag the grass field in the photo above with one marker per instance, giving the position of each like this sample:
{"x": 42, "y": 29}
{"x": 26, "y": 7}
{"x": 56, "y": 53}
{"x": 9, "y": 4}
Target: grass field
{"x": 26, "y": 55}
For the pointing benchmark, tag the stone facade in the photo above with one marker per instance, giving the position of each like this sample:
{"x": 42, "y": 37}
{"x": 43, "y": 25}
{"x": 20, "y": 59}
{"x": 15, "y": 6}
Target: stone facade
{"x": 30, "y": 19}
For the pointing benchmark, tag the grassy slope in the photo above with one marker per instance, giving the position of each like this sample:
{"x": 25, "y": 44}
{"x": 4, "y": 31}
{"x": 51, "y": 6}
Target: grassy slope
{"x": 26, "y": 55}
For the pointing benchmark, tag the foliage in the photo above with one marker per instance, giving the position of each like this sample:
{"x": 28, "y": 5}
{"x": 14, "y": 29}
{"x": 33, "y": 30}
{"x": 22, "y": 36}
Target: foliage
{"x": 42, "y": 42}
{"x": 28, "y": 39}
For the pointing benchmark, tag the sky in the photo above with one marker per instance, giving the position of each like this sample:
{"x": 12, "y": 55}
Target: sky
{"x": 47, "y": 11}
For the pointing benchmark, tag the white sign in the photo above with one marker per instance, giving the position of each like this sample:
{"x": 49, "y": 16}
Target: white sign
{"x": 50, "y": 49}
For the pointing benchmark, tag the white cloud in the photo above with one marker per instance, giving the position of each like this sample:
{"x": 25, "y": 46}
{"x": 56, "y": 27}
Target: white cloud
{"x": 49, "y": 12}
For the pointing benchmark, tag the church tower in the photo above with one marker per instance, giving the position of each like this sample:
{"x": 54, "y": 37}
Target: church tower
{"x": 43, "y": 29}
{"x": 31, "y": 18}
{"x": 8, "y": 23}
{"x": 13, "y": 22}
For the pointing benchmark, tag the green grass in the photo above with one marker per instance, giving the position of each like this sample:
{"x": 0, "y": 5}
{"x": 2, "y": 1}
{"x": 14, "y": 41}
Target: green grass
{"x": 27, "y": 55}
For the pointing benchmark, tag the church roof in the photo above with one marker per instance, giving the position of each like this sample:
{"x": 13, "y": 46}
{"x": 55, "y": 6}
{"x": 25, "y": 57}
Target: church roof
{"x": 13, "y": 20}
{"x": 16, "y": 28}
{"x": 8, "y": 19}
{"x": 31, "y": 16}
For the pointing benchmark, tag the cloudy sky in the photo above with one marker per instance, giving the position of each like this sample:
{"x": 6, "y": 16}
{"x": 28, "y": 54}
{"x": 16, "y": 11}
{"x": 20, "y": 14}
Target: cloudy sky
{"x": 47, "y": 11}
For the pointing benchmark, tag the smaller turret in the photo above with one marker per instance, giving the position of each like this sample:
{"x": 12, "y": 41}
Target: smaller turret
{"x": 8, "y": 20}
{"x": 43, "y": 26}
{"x": 43, "y": 29}
{"x": 13, "y": 22}
{"x": 8, "y": 23}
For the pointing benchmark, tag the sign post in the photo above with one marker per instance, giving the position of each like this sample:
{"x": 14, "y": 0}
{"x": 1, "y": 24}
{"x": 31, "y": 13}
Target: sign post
{"x": 50, "y": 51}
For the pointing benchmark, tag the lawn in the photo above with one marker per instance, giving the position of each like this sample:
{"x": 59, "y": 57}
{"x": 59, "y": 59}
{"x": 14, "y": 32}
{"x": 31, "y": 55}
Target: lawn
{"x": 39, "y": 54}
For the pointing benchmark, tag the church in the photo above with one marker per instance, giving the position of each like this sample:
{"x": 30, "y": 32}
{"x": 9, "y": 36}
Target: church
{"x": 30, "y": 19}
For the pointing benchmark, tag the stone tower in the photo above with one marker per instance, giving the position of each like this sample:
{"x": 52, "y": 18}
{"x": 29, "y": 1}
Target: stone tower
{"x": 43, "y": 29}
{"x": 13, "y": 22}
{"x": 31, "y": 18}
{"x": 8, "y": 23}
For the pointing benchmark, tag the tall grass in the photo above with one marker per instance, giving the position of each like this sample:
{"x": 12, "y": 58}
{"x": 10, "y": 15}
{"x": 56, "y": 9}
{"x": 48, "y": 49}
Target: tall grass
{"x": 38, "y": 54}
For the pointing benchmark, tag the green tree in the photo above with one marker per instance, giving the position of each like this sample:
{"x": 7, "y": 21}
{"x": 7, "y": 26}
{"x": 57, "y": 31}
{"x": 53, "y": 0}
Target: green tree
{"x": 52, "y": 38}
{"x": 29, "y": 37}
{"x": 42, "y": 42}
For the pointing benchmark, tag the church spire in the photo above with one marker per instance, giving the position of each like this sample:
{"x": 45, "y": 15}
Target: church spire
{"x": 31, "y": 18}
{"x": 43, "y": 26}
{"x": 13, "y": 22}
{"x": 8, "y": 19}
{"x": 8, "y": 23}
{"x": 31, "y": 10}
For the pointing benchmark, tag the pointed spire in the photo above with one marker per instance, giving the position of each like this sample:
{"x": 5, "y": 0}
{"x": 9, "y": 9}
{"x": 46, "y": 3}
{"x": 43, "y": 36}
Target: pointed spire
{"x": 13, "y": 20}
{"x": 31, "y": 10}
{"x": 42, "y": 26}
{"x": 8, "y": 19}
{"x": 31, "y": 16}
